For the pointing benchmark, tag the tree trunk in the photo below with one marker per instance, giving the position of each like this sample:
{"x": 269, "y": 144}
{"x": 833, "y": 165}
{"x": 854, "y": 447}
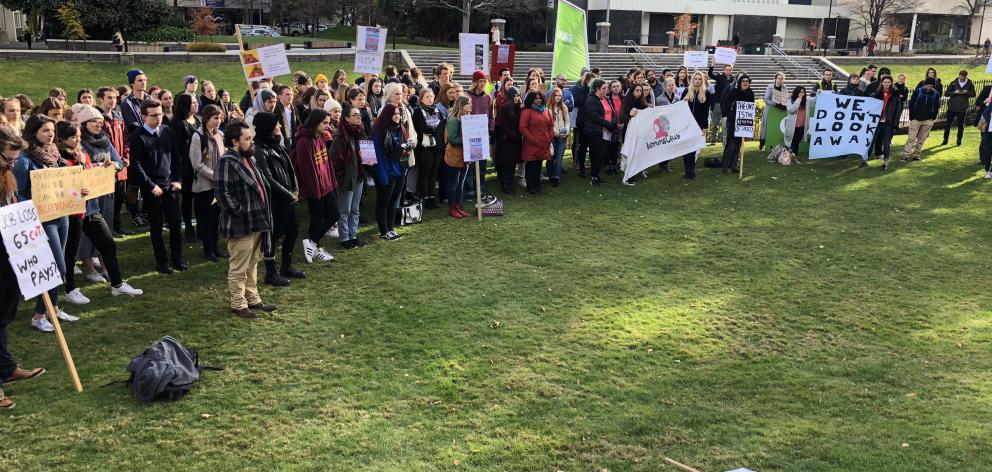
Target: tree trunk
{"x": 466, "y": 16}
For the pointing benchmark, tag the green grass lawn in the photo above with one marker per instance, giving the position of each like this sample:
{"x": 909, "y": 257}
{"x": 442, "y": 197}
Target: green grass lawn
{"x": 815, "y": 317}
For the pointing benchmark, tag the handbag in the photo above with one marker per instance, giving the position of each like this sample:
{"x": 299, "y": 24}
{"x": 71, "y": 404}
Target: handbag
{"x": 493, "y": 209}
{"x": 454, "y": 156}
{"x": 411, "y": 214}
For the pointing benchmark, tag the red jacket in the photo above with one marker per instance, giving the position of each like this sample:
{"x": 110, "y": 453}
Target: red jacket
{"x": 116, "y": 130}
{"x": 537, "y": 131}
{"x": 314, "y": 171}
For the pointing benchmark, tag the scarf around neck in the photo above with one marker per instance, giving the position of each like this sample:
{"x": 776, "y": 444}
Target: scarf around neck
{"x": 46, "y": 155}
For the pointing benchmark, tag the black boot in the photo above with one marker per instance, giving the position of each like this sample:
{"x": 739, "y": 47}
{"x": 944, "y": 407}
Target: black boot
{"x": 288, "y": 270}
{"x": 272, "y": 276}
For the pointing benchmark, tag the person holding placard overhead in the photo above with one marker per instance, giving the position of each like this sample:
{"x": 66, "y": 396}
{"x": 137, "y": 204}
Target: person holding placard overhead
{"x": 42, "y": 153}
{"x": 723, "y": 83}
{"x": 11, "y": 146}
{"x": 739, "y": 94}
{"x": 482, "y": 104}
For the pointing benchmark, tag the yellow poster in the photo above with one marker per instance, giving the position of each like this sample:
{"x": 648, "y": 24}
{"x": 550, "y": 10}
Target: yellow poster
{"x": 55, "y": 192}
{"x": 99, "y": 181}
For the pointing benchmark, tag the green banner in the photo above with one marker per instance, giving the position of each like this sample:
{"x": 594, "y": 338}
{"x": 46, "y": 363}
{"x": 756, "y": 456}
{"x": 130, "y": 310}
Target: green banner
{"x": 571, "y": 43}
{"x": 774, "y": 135}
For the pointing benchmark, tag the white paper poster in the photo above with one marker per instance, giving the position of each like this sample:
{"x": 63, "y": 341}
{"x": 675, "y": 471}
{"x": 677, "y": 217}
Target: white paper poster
{"x": 725, "y": 56}
{"x": 843, "y": 125}
{"x": 744, "y": 122}
{"x": 370, "y": 49}
{"x": 695, "y": 59}
{"x": 265, "y": 62}
{"x": 366, "y": 150}
{"x": 988, "y": 68}
{"x": 27, "y": 246}
{"x": 502, "y": 54}
{"x": 474, "y": 52}
{"x": 475, "y": 137}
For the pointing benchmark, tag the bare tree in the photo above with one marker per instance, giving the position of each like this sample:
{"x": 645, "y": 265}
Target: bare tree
{"x": 969, "y": 7}
{"x": 466, "y": 7}
{"x": 872, "y": 15}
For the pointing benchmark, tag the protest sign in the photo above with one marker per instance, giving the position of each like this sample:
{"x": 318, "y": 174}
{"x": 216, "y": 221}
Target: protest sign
{"x": 843, "y": 125}
{"x": 366, "y": 151}
{"x": 774, "y": 126}
{"x": 474, "y": 52}
{"x": 56, "y": 191}
{"x": 571, "y": 43}
{"x": 780, "y": 97}
{"x": 370, "y": 49}
{"x": 696, "y": 59}
{"x": 475, "y": 137}
{"x": 988, "y": 67}
{"x": 504, "y": 57}
{"x": 724, "y": 56}
{"x": 744, "y": 121}
{"x": 265, "y": 62}
{"x": 99, "y": 180}
{"x": 659, "y": 134}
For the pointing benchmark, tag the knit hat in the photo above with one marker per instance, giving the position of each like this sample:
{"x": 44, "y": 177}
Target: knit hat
{"x": 478, "y": 75}
{"x": 264, "y": 123}
{"x": 188, "y": 79}
{"x": 85, "y": 113}
{"x": 331, "y": 104}
{"x": 133, "y": 74}
{"x": 320, "y": 77}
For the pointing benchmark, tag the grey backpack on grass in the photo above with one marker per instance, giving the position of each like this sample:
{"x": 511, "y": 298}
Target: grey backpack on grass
{"x": 165, "y": 371}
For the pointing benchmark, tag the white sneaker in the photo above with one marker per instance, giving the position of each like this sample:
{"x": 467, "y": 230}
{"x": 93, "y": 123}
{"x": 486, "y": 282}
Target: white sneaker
{"x": 42, "y": 325}
{"x": 644, "y": 174}
{"x": 76, "y": 270}
{"x": 988, "y": 175}
{"x": 629, "y": 183}
{"x": 309, "y": 250}
{"x": 333, "y": 232}
{"x": 96, "y": 278}
{"x": 76, "y": 297}
{"x": 125, "y": 289}
{"x": 322, "y": 255}
{"x": 65, "y": 316}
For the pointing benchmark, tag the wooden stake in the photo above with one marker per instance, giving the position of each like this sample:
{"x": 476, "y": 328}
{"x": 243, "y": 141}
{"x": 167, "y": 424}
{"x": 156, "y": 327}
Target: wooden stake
{"x": 680, "y": 466}
{"x": 740, "y": 165}
{"x": 62, "y": 344}
{"x": 478, "y": 191}
{"x": 241, "y": 48}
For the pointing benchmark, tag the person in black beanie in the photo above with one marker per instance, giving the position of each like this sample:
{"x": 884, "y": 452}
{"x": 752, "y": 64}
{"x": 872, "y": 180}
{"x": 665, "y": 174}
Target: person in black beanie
{"x": 274, "y": 165}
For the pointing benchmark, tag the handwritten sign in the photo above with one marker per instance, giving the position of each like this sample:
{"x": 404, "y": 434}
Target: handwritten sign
{"x": 843, "y": 125}
{"x": 367, "y": 152}
{"x": 264, "y": 62}
{"x": 475, "y": 137}
{"x": 99, "y": 181}
{"x": 28, "y": 250}
{"x": 780, "y": 97}
{"x": 744, "y": 122}
{"x": 695, "y": 59}
{"x": 56, "y": 192}
{"x": 370, "y": 49}
{"x": 724, "y": 56}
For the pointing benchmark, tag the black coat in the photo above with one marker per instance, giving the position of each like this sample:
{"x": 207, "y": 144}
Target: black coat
{"x": 579, "y": 94}
{"x": 729, "y": 105}
{"x": 273, "y": 163}
{"x": 154, "y": 160}
{"x": 594, "y": 118}
{"x": 959, "y": 102}
{"x": 924, "y": 106}
{"x": 893, "y": 111}
{"x": 701, "y": 111}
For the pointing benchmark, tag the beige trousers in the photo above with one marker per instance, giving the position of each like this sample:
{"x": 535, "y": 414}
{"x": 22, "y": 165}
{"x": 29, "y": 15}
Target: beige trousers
{"x": 242, "y": 276}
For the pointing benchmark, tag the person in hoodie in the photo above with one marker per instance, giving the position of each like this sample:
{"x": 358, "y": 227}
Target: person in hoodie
{"x": 346, "y": 154}
{"x": 853, "y": 86}
{"x": 923, "y": 108}
{"x": 265, "y": 101}
{"x": 508, "y": 140}
{"x": 392, "y": 144}
{"x": 742, "y": 93}
{"x": 315, "y": 174}
{"x": 274, "y": 165}
{"x": 891, "y": 111}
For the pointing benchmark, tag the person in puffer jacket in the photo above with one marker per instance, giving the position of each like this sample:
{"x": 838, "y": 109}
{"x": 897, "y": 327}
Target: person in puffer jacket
{"x": 923, "y": 108}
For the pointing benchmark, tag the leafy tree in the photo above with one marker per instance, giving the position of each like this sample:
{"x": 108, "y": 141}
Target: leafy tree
{"x": 204, "y": 23}
{"x": 72, "y": 26}
{"x": 126, "y": 16}
{"x": 35, "y": 10}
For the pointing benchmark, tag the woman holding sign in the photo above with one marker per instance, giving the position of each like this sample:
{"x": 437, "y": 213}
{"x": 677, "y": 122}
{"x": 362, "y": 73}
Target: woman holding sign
{"x": 42, "y": 153}
{"x": 775, "y": 95}
{"x": 742, "y": 93}
{"x": 889, "y": 122}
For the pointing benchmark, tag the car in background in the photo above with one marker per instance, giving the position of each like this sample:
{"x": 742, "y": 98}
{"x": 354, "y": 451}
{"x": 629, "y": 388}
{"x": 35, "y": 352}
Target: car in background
{"x": 260, "y": 32}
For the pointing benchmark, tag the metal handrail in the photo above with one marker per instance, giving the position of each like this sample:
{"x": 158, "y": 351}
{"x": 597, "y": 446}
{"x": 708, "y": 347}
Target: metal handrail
{"x": 808, "y": 71}
{"x": 637, "y": 49}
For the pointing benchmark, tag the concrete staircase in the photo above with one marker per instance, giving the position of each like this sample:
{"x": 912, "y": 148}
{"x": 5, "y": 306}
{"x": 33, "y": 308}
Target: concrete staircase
{"x": 762, "y": 69}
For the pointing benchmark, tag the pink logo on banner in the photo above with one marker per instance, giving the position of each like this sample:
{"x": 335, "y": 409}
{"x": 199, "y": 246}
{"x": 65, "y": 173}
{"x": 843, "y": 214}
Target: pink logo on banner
{"x": 660, "y": 127}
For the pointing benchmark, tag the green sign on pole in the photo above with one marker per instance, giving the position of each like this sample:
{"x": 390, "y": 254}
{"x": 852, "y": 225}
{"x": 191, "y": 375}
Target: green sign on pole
{"x": 571, "y": 43}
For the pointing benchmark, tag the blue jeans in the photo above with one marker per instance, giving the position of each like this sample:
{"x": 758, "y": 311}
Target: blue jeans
{"x": 57, "y": 231}
{"x": 883, "y": 138}
{"x": 349, "y": 204}
{"x": 554, "y": 165}
{"x": 456, "y": 184}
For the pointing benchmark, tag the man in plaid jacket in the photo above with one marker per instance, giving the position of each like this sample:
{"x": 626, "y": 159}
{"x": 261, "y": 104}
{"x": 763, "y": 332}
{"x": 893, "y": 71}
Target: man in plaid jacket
{"x": 245, "y": 217}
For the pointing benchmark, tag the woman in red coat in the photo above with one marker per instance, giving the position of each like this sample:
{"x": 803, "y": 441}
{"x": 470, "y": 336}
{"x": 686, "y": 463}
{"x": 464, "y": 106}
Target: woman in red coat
{"x": 536, "y": 128}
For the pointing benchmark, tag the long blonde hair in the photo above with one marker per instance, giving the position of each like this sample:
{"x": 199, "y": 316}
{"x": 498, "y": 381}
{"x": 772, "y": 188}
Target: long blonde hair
{"x": 694, "y": 93}
{"x": 456, "y": 108}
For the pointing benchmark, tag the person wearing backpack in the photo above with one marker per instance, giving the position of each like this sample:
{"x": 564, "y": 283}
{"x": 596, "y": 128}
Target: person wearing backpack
{"x": 244, "y": 197}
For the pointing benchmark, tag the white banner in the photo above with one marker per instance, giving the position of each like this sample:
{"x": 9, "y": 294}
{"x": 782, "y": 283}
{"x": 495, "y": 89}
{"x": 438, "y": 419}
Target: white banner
{"x": 28, "y": 249}
{"x": 474, "y": 50}
{"x": 843, "y": 125}
{"x": 659, "y": 134}
{"x": 724, "y": 56}
{"x": 475, "y": 137}
{"x": 370, "y": 49}
{"x": 744, "y": 122}
{"x": 695, "y": 59}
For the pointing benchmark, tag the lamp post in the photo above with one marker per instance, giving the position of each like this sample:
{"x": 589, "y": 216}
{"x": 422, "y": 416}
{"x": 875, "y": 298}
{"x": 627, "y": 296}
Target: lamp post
{"x": 830, "y": 11}
{"x": 985, "y": 3}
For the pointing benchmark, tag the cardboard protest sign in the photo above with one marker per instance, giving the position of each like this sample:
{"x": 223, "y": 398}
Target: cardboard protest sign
{"x": 780, "y": 97}
{"x": 843, "y": 125}
{"x": 474, "y": 52}
{"x": 724, "y": 56}
{"x": 265, "y": 62}
{"x": 370, "y": 49}
{"x": 56, "y": 191}
{"x": 659, "y": 134}
{"x": 744, "y": 121}
{"x": 695, "y": 59}
{"x": 99, "y": 181}
{"x": 475, "y": 137}
{"x": 27, "y": 247}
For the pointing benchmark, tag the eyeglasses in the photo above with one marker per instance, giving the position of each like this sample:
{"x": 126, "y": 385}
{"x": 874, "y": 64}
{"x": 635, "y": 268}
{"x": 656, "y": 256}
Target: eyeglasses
{"x": 354, "y": 115}
{"x": 154, "y": 115}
